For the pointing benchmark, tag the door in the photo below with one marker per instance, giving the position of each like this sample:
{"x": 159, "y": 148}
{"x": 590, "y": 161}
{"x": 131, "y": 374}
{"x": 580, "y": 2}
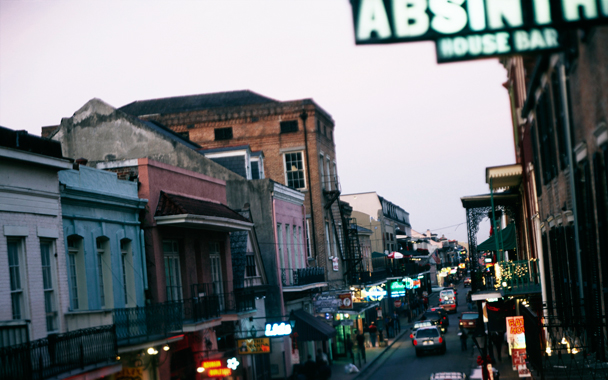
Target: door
{"x": 216, "y": 272}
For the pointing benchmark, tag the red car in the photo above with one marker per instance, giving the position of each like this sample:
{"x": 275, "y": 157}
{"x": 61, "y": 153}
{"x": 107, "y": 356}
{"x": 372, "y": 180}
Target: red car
{"x": 468, "y": 320}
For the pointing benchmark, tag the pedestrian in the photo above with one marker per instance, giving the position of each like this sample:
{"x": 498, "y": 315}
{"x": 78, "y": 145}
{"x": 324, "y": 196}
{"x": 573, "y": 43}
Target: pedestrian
{"x": 425, "y": 300}
{"x": 497, "y": 340}
{"x": 463, "y": 339}
{"x": 321, "y": 357}
{"x": 396, "y": 323}
{"x": 349, "y": 348}
{"x": 373, "y": 330}
{"x": 361, "y": 345}
{"x": 324, "y": 371}
{"x": 469, "y": 301}
{"x": 310, "y": 369}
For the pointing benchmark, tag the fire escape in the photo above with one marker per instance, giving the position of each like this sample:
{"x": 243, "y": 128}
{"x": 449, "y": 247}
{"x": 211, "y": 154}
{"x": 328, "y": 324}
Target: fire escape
{"x": 345, "y": 229}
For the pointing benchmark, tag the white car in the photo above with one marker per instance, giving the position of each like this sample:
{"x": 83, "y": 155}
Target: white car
{"x": 448, "y": 376}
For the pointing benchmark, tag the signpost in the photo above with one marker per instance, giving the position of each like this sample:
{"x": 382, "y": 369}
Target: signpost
{"x": 470, "y": 29}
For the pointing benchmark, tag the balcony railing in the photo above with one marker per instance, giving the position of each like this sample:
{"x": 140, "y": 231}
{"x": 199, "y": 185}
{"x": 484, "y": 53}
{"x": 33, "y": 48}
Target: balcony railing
{"x": 362, "y": 278}
{"x": 302, "y": 276}
{"x": 331, "y": 183}
{"x": 58, "y": 354}
{"x": 518, "y": 277}
{"x": 141, "y": 324}
{"x": 232, "y": 296}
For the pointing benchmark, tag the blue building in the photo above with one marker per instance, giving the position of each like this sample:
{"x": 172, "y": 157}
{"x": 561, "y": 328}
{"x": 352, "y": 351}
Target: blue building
{"x": 104, "y": 245}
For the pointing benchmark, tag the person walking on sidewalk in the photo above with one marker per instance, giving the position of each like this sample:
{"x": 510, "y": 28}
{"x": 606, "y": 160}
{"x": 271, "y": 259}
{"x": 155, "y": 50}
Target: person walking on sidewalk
{"x": 310, "y": 369}
{"x": 396, "y": 323}
{"x": 373, "y": 331}
{"x": 463, "y": 339}
{"x": 361, "y": 345}
{"x": 349, "y": 348}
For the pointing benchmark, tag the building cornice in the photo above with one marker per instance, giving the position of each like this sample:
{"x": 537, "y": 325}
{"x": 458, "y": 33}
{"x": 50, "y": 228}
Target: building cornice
{"x": 34, "y": 158}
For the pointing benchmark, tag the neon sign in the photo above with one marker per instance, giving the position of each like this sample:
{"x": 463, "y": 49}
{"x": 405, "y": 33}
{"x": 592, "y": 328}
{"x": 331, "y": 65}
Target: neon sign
{"x": 219, "y": 372}
{"x": 277, "y": 329}
{"x": 397, "y": 289}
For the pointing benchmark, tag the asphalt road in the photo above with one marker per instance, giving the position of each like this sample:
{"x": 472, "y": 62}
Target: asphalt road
{"x": 400, "y": 361}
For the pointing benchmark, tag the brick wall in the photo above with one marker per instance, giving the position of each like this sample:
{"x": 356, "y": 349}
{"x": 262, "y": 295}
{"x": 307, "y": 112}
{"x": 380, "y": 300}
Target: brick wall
{"x": 259, "y": 127}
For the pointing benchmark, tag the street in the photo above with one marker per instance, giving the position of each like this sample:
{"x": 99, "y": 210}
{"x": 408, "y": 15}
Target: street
{"x": 400, "y": 362}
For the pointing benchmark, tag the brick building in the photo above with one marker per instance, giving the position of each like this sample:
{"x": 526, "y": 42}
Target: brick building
{"x": 560, "y": 115}
{"x": 297, "y": 141}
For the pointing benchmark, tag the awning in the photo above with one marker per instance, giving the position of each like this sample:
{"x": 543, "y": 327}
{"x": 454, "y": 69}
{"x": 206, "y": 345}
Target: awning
{"x": 179, "y": 211}
{"x": 509, "y": 241}
{"x": 376, "y": 255}
{"x": 310, "y": 328}
{"x": 360, "y": 307}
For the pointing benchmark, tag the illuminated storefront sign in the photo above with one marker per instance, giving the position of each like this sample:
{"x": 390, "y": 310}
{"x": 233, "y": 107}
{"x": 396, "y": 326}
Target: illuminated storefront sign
{"x": 219, "y": 372}
{"x": 277, "y": 329}
{"x": 462, "y": 265}
{"x": 409, "y": 284}
{"x": 397, "y": 289}
{"x": 416, "y": 284}
{"x": 374, "y": 293}
{"x": 516, "y": 339}
{"x": 253, "y": 346}
{"x": 468, "y": 29}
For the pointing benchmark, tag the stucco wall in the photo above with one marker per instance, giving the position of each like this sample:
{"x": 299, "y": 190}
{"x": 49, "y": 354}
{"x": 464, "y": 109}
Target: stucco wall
{"x": 99, "y": 132}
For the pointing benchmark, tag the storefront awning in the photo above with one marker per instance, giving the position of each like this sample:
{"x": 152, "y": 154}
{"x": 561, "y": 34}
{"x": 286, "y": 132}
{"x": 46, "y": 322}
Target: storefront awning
{"x": 310, "y": 328}
{"x": 509, "y": 241}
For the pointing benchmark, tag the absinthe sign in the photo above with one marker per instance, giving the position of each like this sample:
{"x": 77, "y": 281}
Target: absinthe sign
{"x": 467, "y": 29}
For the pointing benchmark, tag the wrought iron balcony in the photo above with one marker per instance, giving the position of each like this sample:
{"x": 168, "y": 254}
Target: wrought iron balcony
{"x": 363, "y": 277}
{"x": 518, "y": 277}
{"x": 58, "y": 354}
{"x": 233, "y": 297}
{"x": 142, "y": 324}
{"x": 302, "y": 276}
{"x": 331, "y": 183}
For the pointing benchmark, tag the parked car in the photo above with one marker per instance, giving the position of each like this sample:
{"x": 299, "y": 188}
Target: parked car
{"x": 448, "y": 305}
{"x": 448, "y": 376}
{"x": 467, "y": 282}
{"x": 429, "y": 339}
{"x": 418, "y": 325}
{"x": 468, "y": 320}
{"x": 436, "y": 319}
{"x": 443, "y": 313}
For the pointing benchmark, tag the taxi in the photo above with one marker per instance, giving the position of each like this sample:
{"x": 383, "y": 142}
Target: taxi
{"x": 448, "y": 305}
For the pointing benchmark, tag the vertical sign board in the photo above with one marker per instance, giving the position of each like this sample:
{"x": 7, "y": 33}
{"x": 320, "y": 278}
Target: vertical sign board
{"x": 516, "y": 339}
{"x": 470, "y": 29}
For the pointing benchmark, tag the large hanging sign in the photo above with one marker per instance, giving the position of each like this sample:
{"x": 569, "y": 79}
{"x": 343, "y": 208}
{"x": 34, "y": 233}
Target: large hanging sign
{"x": 346, "y": 300}
{"x": 397, "y": 289}
{"x": 416, "y": 284}
{"x": 469, "y": 29}
{"x": 516, "y": 339}
{"x": 253, "y": 346}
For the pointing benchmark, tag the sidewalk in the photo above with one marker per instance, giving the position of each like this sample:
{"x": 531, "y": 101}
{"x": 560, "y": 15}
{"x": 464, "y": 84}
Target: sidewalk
{"x": 372, "y": 354}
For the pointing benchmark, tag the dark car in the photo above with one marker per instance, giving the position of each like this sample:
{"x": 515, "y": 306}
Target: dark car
{"x": 436, "y": 319}
{"x": 429, "y": 339}
{"x": 467, "y": 282}
{"x": 443, "y": 313}
{"x": 468, "y": 320}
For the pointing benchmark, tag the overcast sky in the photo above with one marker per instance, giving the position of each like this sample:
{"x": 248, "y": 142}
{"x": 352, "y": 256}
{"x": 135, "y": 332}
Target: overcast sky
{"x": 418, "y": 133}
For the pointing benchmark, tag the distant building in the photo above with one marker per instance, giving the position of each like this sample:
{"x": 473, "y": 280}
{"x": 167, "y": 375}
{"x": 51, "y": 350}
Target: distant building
{"x": 297, "y": 140}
